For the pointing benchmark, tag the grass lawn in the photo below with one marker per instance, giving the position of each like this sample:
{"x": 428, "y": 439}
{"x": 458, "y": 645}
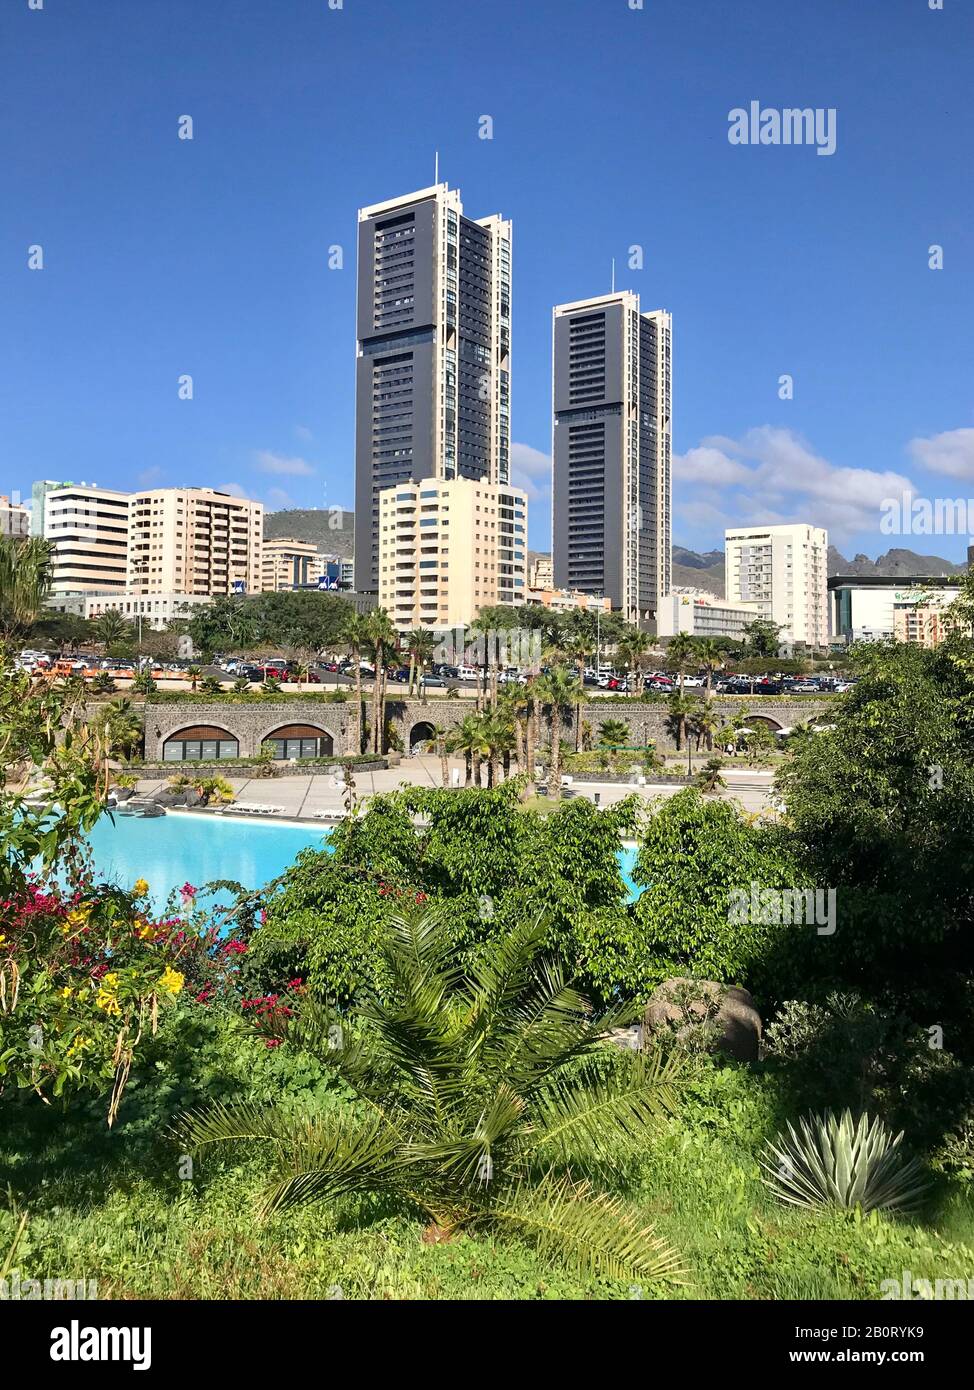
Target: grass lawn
{"x": 112, "y": 1207}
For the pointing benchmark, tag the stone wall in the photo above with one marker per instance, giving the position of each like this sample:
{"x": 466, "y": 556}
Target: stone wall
{"x": 250, "y": 723}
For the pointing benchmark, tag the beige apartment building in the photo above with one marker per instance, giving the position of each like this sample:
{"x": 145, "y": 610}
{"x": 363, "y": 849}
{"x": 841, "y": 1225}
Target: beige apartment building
{"x": 194, "y": 541}
{"x": 290, "y": 564}
{"x": 449, "y": 548}
{"x": 783, "y": 571}
{"x": 14, "y": 519}
{"x": 565, "y": 600}
{"x": 88, "y": 530}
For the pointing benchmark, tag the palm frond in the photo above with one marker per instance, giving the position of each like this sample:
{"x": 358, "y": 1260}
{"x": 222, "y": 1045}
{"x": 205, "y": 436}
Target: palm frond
{"x": 335, "y": 1157}
{"x": 590, "y": 1113}
{"x": 590, "y": 1231}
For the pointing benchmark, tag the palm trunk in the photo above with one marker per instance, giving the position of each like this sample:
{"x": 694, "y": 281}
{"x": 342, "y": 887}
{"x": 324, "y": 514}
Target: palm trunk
{"x": 476, "y": 770}
{"x": 493, "y": 769}
{"x": 376, "y": 700}
{"x": 412, "y": 672}
{"x": 554, "y": 772}
{"x": 519, "y": 735}
{"x": 358, "y": 702}
{"x": 578, "y": 708}
{"x": 468, "y": 760}
{"x": 444, "y": 760}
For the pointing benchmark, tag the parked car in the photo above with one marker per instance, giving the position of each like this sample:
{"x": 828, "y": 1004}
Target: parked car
{"x": 433, "y": 680}
{"x": 467, "y": 673}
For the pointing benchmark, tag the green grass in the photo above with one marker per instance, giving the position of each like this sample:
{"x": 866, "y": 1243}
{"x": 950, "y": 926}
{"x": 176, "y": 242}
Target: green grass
{"x": 113, "y": 1207}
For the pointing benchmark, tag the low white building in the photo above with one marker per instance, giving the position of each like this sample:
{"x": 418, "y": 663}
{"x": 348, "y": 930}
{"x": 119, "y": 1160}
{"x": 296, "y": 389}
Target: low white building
{"x": 702, "y": 614}
{"x": 876, "y": 608}
{"x": 155, "y": 610}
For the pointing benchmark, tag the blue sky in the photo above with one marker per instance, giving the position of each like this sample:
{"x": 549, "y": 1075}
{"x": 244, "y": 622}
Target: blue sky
{"x": 210, "y": 257}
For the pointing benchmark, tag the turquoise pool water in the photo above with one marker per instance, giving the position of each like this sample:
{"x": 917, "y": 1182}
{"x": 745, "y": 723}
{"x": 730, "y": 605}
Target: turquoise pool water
{"x": 171, "y": 850}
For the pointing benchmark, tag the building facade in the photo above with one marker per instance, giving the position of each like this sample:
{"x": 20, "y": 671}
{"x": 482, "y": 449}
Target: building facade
{"x": 880, "y": 608}
{"x": 704, "y": 615}
{"x": 564, "y": 600}
{"x": 447, "y": 549}
{"x": 783, "y": 570}
{"x": 14, "y": 519}
{"x": 155, "y": 611}
{"x": 433, "y": 386}
{"x": 88, "y": 531}
{"x": 290, "y": 564}
{"x": 195, "y": 541}
{"x": 611, "y": 451}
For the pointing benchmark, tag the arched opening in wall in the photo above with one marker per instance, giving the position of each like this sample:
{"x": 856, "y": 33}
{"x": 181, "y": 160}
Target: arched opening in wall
{"x": 200, "y": 743}
{"x": 420, "y": 735}
{"x": 299, "y": 741}
{"x": 765, "y": 720}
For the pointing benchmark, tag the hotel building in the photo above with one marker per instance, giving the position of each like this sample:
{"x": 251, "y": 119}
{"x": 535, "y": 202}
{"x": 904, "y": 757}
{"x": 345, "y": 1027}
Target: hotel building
{"x": 195, "y": 541}
{"x": 88, "y": 531}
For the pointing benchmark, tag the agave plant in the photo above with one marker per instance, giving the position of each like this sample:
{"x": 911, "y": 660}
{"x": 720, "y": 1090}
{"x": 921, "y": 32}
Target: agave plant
{"x": 834, "y": 1160}
{"x": 487, "y": 1097}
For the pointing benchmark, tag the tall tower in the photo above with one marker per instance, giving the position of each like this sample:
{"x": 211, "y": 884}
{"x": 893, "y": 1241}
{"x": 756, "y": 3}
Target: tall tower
{"x": 611, "y": 445}
{"x": 433, "y": 386}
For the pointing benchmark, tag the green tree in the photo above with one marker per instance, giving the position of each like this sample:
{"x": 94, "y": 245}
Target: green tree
{"x": 122, "y": 723}
{"x": 712, "y": 655}
{"x": 681, "y": 654}
{"x": 471, "y": 741}
{"x": 613, "y": 733}
{"x": 634, "y": 651}
{"x": 113, "y": 629}
{"x": 480, "y": 1093}
{"x": 762, "y": 637}
{"x": 383, "y": 640}
{"x": 421, "y": 643}
{"x": 354, "y": 636}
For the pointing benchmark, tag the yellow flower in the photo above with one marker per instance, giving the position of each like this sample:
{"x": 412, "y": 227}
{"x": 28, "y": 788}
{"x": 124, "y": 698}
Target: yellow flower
{"x": 2, "y": 938}
{"x": 78, "y": 1044}
{"x": 66, "y": 993}
{"x": 140, "y": 887}
{"x": 171, "y": 980}
{"x": 106, "y": 995}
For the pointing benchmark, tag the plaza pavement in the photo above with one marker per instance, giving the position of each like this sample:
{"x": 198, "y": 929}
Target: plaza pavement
{"x": 308, "y": 797}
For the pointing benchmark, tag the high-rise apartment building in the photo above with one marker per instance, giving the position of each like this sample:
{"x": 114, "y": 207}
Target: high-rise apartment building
{"x": 88, "y": 530}
{"x": 611, "y": 445}
{"x": 447, "y": 549}
{"x": 434, "y": 344}
{"x": 194, "y": 540}
{"x": 290, "y": 564}
{"x": 784, "y": 571}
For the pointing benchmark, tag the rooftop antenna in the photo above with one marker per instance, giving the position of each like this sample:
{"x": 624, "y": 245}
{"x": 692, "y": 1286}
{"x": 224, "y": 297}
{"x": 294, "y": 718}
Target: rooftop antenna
{"x": 436, "y": 167}
{"x": 613, "y": 274}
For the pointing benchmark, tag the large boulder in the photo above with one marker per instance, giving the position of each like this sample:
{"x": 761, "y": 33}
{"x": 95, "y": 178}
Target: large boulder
{"x": 679, "y": 1006}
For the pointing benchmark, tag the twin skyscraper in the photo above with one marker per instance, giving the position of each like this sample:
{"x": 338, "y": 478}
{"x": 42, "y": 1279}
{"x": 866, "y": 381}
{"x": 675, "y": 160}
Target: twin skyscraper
{"x": 433, "y": 409}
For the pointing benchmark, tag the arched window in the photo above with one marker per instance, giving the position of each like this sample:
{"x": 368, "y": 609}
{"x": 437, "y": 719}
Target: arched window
{"x": 300, "y": 741}
{"x": 201, "y": 743}
{"x": 420, "y": 735}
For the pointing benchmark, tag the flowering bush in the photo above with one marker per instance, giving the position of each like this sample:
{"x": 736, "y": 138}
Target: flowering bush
{"x": 84, "y": 974}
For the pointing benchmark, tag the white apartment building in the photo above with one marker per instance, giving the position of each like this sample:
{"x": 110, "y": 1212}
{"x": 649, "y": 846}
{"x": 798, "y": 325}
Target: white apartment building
{"x": 783, "y": 570}
{"x": 702, "y": 614}
{"x": 290, "y": 564}
{"x": 88, "y": 530}
{"x": 194, "y": 541}
{"x": 447, "y": 549}
{"x": 565, "y": 600}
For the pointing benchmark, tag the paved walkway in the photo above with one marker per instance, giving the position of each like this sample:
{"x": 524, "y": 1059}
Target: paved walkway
{"x": 313, "y": 796}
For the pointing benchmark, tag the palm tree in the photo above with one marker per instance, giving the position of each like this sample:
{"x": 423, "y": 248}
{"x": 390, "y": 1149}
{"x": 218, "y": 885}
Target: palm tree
{"x": 634, "y": 648}
{"x": 681, "y": 651}
{"x": 25, "y": 581}
{"x": 481, "y": 1101}
{"x": 499, "y": 733}
{"x": 704, "y": 723}
{"x": 420, "y": 644}
{"x": 354, "y": 636}
{"x": 712, "y": 656}
{"x": 469, "y": 739}
{"x": 613, "y": 733}
{"x": 514, "y": 703}
{"x": 112, "y": 629}
{"x": 710, "y": 778}
{"x": 437, "y": 744}
{"x": 558, "y": 691}
{"x": 680, "y": 708}
{"x": 383, "y": 639}
{"x": 194, "y": 673}
{"x": 576, "y": 648}
{"x": 121, "y": 725}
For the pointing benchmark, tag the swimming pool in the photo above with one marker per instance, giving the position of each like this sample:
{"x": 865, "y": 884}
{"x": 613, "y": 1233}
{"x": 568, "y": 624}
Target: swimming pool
{"x": 168, "y": 851}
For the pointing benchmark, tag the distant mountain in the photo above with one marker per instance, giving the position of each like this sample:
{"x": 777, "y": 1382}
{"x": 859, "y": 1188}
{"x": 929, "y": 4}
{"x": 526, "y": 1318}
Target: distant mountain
{"x": 895, "y": 564}
{"x": 313, "y": 524}
{"x": 699, "y": 571}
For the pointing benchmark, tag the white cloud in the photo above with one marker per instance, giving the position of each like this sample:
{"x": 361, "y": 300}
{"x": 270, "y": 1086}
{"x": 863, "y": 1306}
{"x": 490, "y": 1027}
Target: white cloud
{"x": 772, "y": 475}
{"x": 268, "y": 462}
{"x": 531, "y": 470}
{"x": 951, "y": 452}
{"x": 148, "y": 476}
{"x": 302, "y": 432}
{"x": 277, "y": 499}
{"x": 235, "y": 490}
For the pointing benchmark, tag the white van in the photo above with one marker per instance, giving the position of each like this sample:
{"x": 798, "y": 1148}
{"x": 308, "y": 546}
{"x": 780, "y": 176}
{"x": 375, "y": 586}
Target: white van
{"x": 467, "y": 673}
